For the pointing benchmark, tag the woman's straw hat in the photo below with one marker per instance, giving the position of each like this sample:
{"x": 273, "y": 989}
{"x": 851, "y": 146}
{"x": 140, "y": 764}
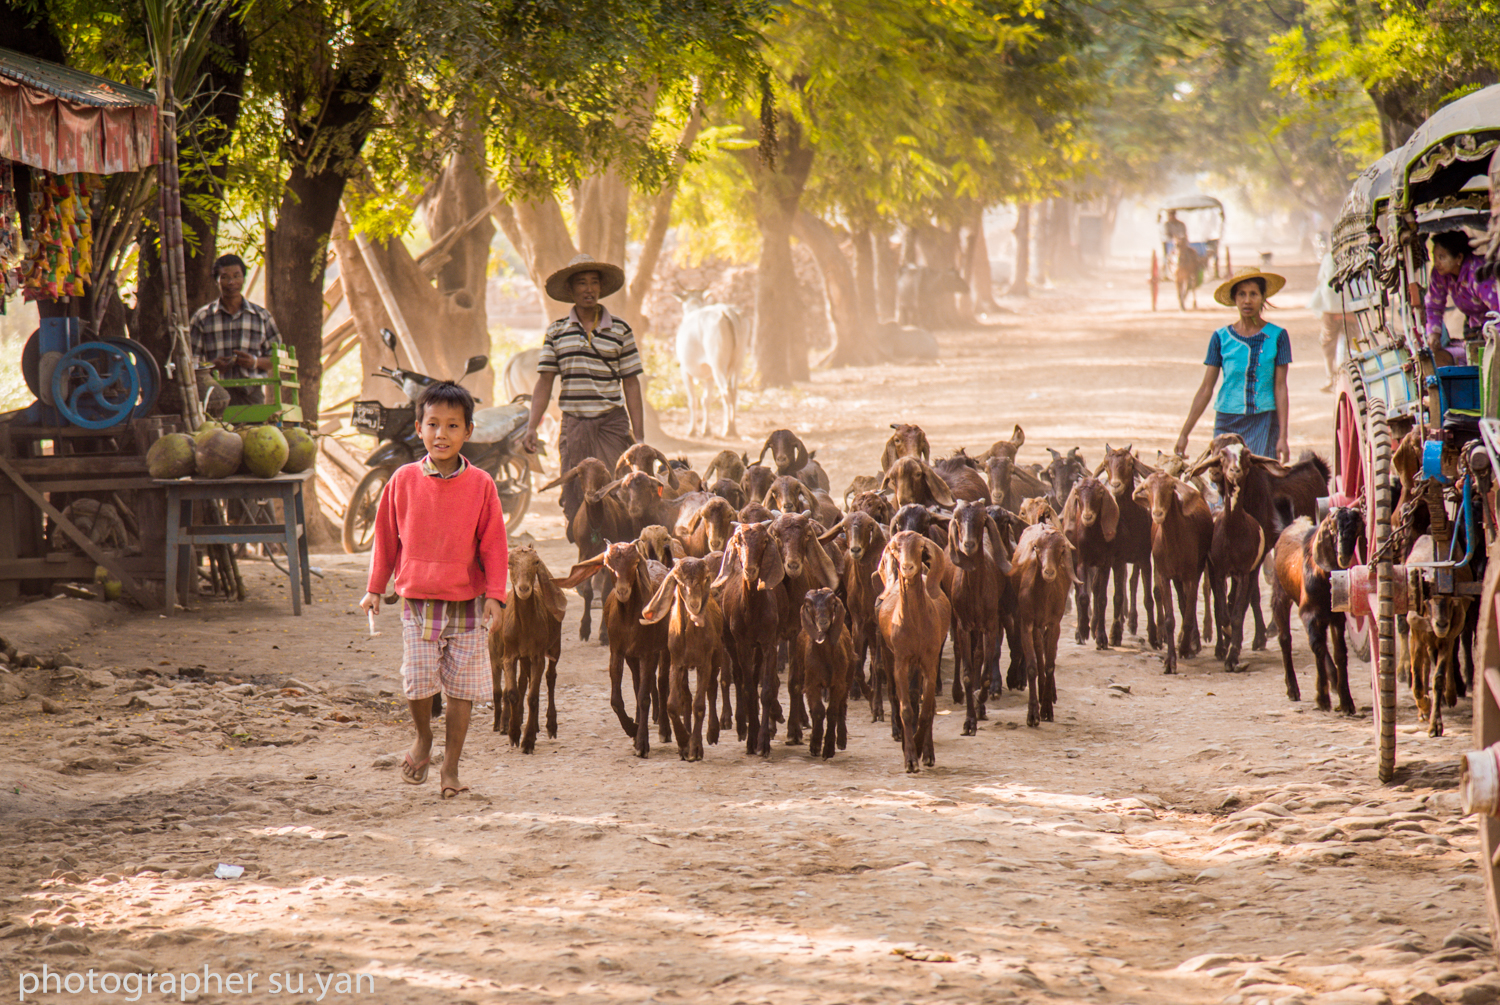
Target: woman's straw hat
{"x": 611, "y": 278}
{"x": 1273, "y": 282}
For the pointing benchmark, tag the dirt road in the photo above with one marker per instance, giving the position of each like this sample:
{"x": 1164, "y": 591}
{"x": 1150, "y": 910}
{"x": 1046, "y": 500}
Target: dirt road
{"x": 1187, "y": 839}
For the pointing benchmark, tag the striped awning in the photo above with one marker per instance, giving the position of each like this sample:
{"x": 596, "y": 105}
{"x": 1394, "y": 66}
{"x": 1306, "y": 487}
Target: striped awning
{"x": 63, "y": 120}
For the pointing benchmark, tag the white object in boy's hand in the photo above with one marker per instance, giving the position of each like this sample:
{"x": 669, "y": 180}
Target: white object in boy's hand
{"x": 373, "y": 632}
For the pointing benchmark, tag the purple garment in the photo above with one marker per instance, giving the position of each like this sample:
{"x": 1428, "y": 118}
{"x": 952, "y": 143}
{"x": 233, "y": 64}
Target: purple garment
{"x": 1470, "y": 295}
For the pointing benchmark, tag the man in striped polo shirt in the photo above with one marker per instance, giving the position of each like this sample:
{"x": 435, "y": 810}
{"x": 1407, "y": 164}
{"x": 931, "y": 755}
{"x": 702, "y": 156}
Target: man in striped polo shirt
{"x": 594, "y": 352}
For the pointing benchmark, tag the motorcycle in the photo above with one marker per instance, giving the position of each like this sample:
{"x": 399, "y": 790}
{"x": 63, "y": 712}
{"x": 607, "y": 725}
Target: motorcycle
{"x": 495, "y": 448}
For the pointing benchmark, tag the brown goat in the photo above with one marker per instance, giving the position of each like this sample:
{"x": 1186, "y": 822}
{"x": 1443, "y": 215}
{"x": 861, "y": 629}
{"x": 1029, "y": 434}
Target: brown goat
{"x": 706, "y": 528}
{"x": 788, "y": 495}
{"x": 826, "y": 654}
{"x": 923, "y": 520}
{"x": 658, "y": 545}
{"x": 1037, "y": 509}
{"x": 695, "y": 641}
{"x": 916, "y": 481}
{"x": 793, "y": 458}
{"x": 908, "y": 440}
{"x": 1133, "y": 542}
{"x": 806, "y": 567}
{"x": 688, "y": 480}
{"x": 1305, "y": 557}
{"x": 866, "y": 539}
{"x": 754, "y": 607}
{"x": 643, "y": 457}
{"x": 755, "y": 513}
{"x": 1091, "y": 520}
{"x": 1244, "y": 531}
{"x": 1006, "y": 448}
{"x": 913, "y": 615}
{"x": 599, "y": 519}
{"x": 1435, "y": 625}
{"x": 729, "y": 491}
{"x": 642, "y": 647}
{"x": 876, "y": 505}
{"x": 756, "y": 482}
{"x": 530, "y": 638}
{"x": 961, "y": 472}
{"x": 726, "y": 464}
{"x": 1182, "y": 532}
{"x": 1042, "y": 571}
{"x": 976, "y": 562}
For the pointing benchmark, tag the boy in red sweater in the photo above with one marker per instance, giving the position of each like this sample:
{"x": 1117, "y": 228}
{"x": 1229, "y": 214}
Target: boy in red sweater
{"x": 441, "y": 531}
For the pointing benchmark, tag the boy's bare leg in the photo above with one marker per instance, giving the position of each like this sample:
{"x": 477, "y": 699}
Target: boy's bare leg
{"x": 458, "y": 713}
{"x": 421, "y": 718}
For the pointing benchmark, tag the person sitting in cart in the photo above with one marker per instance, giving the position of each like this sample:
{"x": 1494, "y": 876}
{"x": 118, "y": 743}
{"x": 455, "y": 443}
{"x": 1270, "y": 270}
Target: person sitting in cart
{"x": 1253, "y": 356}
{"x": 1174, "y": 229}
{"x": 1455, "y": 275}
{"x": 233, "y": 335}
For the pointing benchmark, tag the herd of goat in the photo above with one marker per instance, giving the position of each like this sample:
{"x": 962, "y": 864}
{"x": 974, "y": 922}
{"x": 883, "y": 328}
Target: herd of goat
{"x": 733, "y": 574}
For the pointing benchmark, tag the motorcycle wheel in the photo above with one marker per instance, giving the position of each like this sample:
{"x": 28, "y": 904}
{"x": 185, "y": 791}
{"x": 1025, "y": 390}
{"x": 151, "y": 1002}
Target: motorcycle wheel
{"x": 513, "y": 483}
{"x": 359, "y": 518}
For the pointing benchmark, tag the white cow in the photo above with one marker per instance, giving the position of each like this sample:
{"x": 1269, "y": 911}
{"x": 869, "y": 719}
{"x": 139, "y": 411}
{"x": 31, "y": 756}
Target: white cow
{"x": 710, "y": 345}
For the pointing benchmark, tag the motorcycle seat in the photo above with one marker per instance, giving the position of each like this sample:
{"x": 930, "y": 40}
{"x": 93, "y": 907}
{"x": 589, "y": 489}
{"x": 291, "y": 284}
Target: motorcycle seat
{"x": 494, "y": 424}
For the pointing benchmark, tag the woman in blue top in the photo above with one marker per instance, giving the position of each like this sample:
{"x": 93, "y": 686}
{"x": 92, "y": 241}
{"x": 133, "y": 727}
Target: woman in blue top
{"x": 1253, "y": 356}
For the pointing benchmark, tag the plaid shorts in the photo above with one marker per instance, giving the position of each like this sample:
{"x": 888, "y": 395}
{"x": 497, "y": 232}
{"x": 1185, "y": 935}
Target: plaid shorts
{"x": 457, "y": 665}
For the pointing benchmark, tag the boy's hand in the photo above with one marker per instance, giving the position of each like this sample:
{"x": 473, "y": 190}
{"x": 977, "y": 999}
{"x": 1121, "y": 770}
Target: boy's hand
{"x": 492, "y": 610}
{"x": 1182, "y": 445}
{"x": 371, "y": 603}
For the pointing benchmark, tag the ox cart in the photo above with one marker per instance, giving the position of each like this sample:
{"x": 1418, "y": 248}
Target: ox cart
{"x": 1184, "y": 261}
{"x": 1393, "y": 388}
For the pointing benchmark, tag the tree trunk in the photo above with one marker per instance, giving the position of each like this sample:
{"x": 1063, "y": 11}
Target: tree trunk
{"x": 369, "y": 315}
{"x": 220, "y": 92}
{"x": 546, "y": 245}
{"x": 459, "y": 310}
{"x": 887, "y": 269}
{"x": 779, "y": 343}
{"x": 852, "y": 345}
{"x": 661, "y": 219}
{"x": 981, "y": 283}
{"x": 601, "y": 211}
{"x": 864, "y": 276}
{"x": 1020, "y": 282}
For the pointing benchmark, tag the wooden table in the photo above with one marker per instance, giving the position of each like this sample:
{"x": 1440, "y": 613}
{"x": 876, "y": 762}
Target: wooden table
{"x": 183, "y": 534}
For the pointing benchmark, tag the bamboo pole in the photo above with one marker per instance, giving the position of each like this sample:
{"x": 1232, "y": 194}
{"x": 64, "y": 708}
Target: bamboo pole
{"x": 173, "y": 268}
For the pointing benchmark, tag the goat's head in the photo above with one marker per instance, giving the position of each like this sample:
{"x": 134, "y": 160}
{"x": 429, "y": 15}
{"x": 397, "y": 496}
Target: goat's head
{"x": 787, "y": 450}
{"x": 756, "y": 554}
{"x": 726, "y": 464}
{"x": 1158, "y": 495}
{"x": 1045, "y": 547}
{"x": 590, "y": 474}
{"x": 877, "y": 506}
{"x": 908, "y": 440}
{"x": 756, "y": 481}
{"x": 1447, "y": 613}
{"x": 797, "y": 536}
{"x": 729, "y": 491}
{"x": 638, "y": 491}
{"x": 998, "y": 472}
{"x": 915, "y": 517}
{"x": 1036, "y": 509}
{"x": 1336, "y": 542}
{"x": 1119, "y": 470}
{"x": 529, "y": 575}
{"x": 658, "y": 544}
{"x": 718, "y": 516}
{"x": 916, "y": 481}
{"x": 688, "y": 584}
{"x": 624, "y": 560}
{"x": 863, "y": 533}
{"x": 822, "y": 615}
{"x": 903, "y": 563}
{"x": 788, "y": 495}
{"x": 970, "y": 524}
{"x": 643, "y": 457}
{"x": 1092, "y": 503}
{"x": 1006, "y": 448}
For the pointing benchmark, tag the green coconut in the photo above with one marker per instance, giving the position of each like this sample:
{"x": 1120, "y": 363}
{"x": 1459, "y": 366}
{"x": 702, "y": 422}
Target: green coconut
{"x": 218, "y": 454}
{"x": 209, "y": 426}
{"x": 171, "y": 456}
{"x": 302, "y": 450}
{"x": 265, "y": 451}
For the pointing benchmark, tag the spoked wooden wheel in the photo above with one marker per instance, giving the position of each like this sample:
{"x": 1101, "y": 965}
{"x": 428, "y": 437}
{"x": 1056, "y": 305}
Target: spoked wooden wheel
{"x": 1378, "y": 511}
{"x": 1348, "y": 483}
{"x": 1487, "y": 733}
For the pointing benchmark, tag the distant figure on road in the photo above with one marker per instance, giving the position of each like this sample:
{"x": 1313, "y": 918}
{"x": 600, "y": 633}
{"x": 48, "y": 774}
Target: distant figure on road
{"x": 1336, "y": 324}
{"x": 1254, "y": 357}
{"x": 1173, "y": 229}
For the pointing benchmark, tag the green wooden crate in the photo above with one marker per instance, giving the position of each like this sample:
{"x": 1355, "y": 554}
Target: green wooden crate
{"x": 283, "y": 392}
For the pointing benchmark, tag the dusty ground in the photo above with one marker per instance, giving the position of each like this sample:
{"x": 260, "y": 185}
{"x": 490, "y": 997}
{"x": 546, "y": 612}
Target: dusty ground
{"x": 1188, "y": 839}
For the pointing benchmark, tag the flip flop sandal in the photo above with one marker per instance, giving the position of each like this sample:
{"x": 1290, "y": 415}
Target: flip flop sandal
{"x": 449, "y": 792}
{"x": 418, "y": 773}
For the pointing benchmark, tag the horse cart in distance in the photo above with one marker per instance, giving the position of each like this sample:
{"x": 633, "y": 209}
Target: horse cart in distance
{"x": 1191, "y": 228}
{"x": 1416, "y": 444}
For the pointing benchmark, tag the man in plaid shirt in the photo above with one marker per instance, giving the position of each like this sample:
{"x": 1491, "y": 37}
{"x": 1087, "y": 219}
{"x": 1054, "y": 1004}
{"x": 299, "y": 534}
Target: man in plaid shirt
{"x": 232, "y": 335}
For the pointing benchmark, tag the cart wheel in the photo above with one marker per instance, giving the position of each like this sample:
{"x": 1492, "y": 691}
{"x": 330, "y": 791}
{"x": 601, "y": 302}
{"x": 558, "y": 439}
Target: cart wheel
{"x": 1487, "y": 731}
{"x": 513, "y": 483}
{"x": 1383, "y": 667}
{"x": 1348, "y": 481}
{"x": 359, "y": 518}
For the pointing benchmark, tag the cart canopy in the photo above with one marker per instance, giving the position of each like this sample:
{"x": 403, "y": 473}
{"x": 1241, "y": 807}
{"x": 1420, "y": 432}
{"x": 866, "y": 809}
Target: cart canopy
{"x": 64, "y": 121}
{"x": 1352, "y": 237}
{"x": 1195, "y": 201}
{"x": 1450, "y": 148}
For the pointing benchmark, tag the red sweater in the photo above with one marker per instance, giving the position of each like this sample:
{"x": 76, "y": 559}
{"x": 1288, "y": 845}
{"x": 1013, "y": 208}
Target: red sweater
{"x": 444, "y": 538}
